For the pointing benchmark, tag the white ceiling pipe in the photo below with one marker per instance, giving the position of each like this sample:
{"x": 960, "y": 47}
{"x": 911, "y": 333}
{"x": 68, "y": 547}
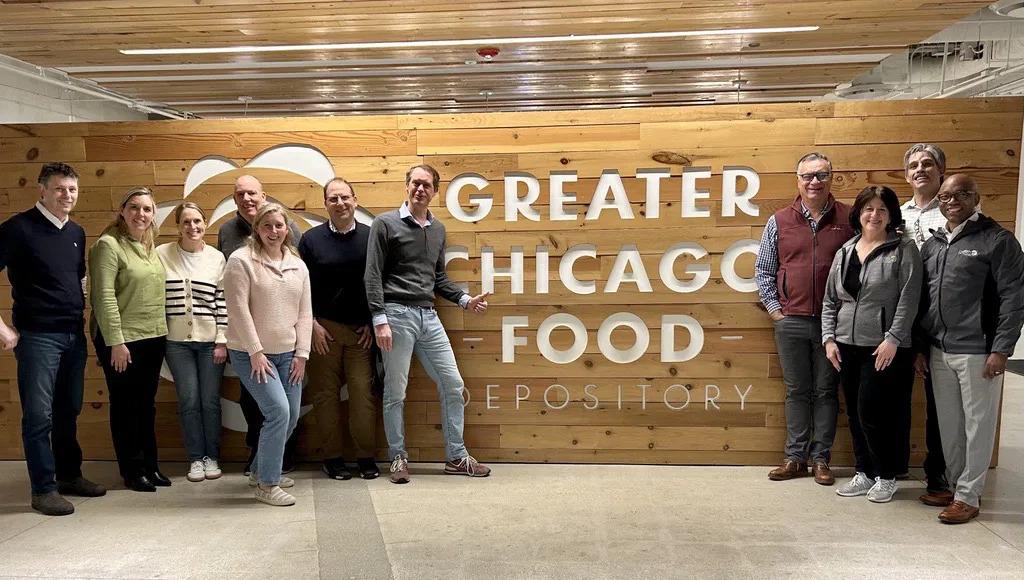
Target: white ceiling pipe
{"x": 65, "y": 81}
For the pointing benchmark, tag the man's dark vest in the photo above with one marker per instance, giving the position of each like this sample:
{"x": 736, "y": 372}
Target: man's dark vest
{"x": 805, "y": 257}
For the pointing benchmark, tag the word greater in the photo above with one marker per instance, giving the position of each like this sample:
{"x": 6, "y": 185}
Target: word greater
{"x": 522, "y": 190}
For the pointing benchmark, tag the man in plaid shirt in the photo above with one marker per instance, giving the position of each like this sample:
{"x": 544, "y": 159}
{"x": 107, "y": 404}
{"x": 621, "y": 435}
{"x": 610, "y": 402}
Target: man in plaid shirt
{"x": 925, "y": 168}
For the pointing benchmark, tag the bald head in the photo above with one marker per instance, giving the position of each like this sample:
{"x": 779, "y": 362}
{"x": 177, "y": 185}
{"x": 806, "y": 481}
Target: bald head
{"x": 958, "y": 198}
{"x": 249, "y": 196}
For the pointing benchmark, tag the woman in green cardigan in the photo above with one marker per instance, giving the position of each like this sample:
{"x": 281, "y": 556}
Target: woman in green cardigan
{"x": 129, "y": 331}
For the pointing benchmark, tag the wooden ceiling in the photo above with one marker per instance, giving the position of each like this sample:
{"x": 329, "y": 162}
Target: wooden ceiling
{"x": 85, "y": 37}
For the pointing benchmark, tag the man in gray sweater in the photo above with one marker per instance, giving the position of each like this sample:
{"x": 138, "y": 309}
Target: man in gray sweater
{"x": 972, "y": 310}
{"x": 405, "y": 267}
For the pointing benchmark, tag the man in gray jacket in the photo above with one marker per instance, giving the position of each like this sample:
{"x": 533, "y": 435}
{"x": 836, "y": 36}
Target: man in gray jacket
{"x": 405, "y": 267}
{"x": 972, "y": 310}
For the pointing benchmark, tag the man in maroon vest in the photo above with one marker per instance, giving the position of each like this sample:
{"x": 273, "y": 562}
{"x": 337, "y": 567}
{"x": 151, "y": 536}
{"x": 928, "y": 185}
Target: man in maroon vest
{"x": 797, "y": 248}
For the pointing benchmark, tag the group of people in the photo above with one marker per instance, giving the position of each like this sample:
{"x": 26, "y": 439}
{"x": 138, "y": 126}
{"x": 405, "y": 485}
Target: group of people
{"x": 283, "y": 311}
{"x": 860, "y": 296}
{"x": 864, "y": 297}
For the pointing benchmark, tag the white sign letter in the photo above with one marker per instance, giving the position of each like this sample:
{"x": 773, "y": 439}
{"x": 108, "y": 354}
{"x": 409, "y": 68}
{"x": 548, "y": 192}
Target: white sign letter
{"x": 669, "y": 322}
{"x": 731, "y": 199}
{"x": 483, "y": 202}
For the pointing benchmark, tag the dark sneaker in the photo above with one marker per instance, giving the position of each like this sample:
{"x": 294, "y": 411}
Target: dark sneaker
{"x": 400, "y": 470}
{"x": 335, "y": 469}
{"x": 82, "y": 487}
{"x": 52, "y": 504}
{"x": 467, "y": 466}
{"x": 368, "y": 468}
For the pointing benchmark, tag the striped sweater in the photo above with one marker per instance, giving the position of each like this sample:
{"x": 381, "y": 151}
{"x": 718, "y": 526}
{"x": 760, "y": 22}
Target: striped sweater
{"x": 196, "y": 311}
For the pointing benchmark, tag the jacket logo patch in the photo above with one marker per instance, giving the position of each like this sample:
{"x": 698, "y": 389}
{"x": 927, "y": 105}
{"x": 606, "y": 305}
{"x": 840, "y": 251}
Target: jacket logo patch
{"x": 891, "y": 258}
{"x": 969, "y": 253}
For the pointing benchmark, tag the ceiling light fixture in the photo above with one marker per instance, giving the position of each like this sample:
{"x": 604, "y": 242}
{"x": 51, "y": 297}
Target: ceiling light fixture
{"x": 468, "y": 42}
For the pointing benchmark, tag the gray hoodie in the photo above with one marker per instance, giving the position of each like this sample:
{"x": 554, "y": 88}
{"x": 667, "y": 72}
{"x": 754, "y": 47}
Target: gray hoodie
{"x": 974, "y": 297}
{"x": 886, "y": 305}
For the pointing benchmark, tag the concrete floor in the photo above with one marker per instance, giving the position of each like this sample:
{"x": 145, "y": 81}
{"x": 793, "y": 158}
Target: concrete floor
{"x": 527, "y": 521}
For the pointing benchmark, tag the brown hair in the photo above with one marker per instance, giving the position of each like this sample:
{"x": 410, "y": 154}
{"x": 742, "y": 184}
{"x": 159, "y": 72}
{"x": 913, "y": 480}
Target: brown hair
{"x": 433, "y": 173}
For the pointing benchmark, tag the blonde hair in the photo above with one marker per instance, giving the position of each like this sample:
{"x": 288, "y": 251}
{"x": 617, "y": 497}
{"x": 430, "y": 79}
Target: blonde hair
{"x": 119, "y": 228}
{"x": 256, "y": 244}
{"x": 188, "y": 205}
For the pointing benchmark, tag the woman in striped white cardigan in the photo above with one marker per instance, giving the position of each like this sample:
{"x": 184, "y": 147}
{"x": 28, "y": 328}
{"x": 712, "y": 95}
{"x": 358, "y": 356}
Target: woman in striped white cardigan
{"x": 196, "y": 345}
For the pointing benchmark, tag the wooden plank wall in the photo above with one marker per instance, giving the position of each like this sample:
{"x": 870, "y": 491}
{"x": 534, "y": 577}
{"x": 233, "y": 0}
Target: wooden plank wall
{"x": 866, "y": 142}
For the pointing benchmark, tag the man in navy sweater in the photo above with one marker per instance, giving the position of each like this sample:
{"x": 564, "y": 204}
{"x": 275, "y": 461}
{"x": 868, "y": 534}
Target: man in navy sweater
{"x": 335, "y": 253}
{"x": 44, "y": 253}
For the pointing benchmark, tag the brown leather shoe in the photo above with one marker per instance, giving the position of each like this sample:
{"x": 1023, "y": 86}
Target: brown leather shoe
{"x": 940, "y": 498}
{"x": 822, "y": 474}
{"x": 788, "y": 470}
{"x": 958, "y": 513}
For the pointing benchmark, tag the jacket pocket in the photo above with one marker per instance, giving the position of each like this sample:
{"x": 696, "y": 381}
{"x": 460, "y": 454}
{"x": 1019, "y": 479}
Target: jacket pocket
{"x": 785, "y": 288}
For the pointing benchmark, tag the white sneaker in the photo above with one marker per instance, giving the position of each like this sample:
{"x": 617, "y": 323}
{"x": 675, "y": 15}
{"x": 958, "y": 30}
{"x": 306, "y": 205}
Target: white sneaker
{"x": 210, "y": 468}
{"x": 274, "y": 496}
{"x": 285, "y": 481}
{"x": 859, "y": 485}
{"x": 196, "y": 471}
{"x": 882, "y": 491}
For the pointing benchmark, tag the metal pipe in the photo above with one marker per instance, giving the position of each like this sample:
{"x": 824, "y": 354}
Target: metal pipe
{"x": 65, "y": 81}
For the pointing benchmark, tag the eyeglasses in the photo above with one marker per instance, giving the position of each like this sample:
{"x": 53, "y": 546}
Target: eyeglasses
{"x": 820, "y": 175}
{"x": 338, "y": 199}
{"x": 962, "y": 195}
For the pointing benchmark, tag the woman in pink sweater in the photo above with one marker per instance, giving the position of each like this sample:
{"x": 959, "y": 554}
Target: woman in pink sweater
{"x": 270, "y": 317}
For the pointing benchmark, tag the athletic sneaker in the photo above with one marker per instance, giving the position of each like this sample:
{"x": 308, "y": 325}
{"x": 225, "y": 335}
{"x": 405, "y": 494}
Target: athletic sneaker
{"x": 274, "y": 496}
{"x": 196, "y": 472}
{"x": 285, "y": 481}
{"x": 467, "y": 466}
{"x": 400, "y": 470}
{"x": 859, "y": 485}
{"x": 210, "y": 468}
{"x": 882, "y": 491}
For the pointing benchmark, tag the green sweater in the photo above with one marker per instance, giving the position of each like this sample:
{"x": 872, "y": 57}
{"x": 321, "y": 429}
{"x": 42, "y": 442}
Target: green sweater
{"x": 126, "y": 290}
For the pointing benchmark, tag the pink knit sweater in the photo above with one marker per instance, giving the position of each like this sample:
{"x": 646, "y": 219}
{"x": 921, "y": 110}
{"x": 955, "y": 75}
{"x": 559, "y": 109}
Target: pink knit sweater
{"x": 269, "y": 309}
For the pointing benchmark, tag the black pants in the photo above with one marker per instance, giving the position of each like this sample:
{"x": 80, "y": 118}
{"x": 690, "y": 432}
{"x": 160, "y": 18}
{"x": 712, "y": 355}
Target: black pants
{"x": 876, "y": 405}
{"x": 254, "y": 420}
{"x": 132, "y": 403}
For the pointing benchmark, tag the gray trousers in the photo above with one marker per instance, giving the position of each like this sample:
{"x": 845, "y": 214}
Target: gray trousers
{"x": 967, "y": 405}
{"x": 812, "y": 383}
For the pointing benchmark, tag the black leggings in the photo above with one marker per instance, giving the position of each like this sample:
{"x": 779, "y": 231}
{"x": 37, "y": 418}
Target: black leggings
{"x": 877, "y": 405}
{"x": 132, "y": 403}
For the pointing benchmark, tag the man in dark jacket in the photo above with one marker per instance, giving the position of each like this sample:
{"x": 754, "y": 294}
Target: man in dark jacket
{"x": 797, "y": 248}
{"x": 972, "y": 310}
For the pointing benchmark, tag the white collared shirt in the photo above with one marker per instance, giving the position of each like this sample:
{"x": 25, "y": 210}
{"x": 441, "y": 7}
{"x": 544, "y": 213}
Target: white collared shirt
{"x": 921, "y": 222}
{"x": 403, "y": 212}
{"x": 352, "y": 227}
{"x": 950, "y": 235}
{"x": 53, "y": 219}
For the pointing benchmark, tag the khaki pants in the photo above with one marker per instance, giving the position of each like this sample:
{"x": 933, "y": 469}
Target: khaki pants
{"x": 345, "y": 363}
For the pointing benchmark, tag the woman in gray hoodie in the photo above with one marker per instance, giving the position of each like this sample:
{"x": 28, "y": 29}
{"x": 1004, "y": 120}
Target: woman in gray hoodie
{"x": 870, "y": 303}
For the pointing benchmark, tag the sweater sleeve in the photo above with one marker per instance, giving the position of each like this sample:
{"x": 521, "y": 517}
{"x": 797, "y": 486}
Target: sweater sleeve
{"x": 221, "y": 312}
{"x": 376, "y": 256}
{"x": 304, "y": 324}
{"x": 104, "y": 266}
{"x": 830, "y": 305}
{"x": 237, "y": 283}
{"x": 910, "y": 277}
{"x": 443, "y": 285}
{"x": 1008, "y": 270}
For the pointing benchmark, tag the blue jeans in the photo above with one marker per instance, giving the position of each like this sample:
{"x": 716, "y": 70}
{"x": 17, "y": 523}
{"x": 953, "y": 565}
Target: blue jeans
{"x": 51, "y": 376}
{"x": 197, "y": 380}
{"x": 418, "y": 331}
{"x": 279, "y": 402}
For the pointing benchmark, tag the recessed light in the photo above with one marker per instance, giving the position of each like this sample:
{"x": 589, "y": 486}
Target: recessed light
{"x": 469, "y": 42}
